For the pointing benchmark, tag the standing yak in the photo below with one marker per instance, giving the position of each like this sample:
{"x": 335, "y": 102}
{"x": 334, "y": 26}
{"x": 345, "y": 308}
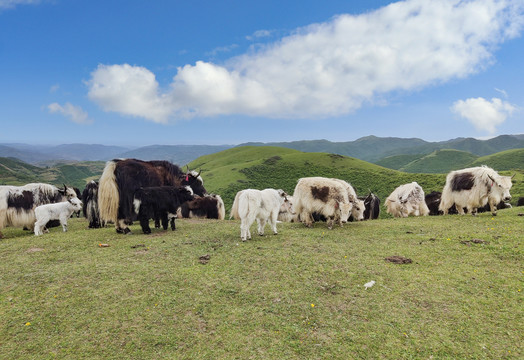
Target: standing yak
{"x": 121, "y": 178}
{"x": 473, "y": 188}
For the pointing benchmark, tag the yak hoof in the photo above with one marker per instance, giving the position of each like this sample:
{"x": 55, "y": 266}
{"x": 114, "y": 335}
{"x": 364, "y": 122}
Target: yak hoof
{"x": 127, "y": 231}
{"x": 494, "y": 213}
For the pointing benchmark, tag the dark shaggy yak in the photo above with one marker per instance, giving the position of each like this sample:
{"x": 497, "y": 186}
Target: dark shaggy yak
{"x": 122, "y": 178}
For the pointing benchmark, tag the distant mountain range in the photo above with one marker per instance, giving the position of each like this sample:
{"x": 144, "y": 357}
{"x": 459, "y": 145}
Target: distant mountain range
{"x": 373, "y": 149}
{"x": 369, "y": 148}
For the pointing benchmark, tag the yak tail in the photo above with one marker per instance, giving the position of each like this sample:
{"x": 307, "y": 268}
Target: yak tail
{"x": 108, "y": 194}
{"x": 234, "y": 209}
{"x": 221, "y": 208}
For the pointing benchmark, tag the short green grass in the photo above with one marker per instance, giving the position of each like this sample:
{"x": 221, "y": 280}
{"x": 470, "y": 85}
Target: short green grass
{"x": 296, "y": 295}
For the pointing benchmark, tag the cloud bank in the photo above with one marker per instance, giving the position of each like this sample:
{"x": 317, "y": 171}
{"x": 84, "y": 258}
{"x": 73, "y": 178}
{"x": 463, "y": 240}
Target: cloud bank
{"x": 326, "y": 69}
{"x": 73, "y": 113}
{"x": 483, "y": 114}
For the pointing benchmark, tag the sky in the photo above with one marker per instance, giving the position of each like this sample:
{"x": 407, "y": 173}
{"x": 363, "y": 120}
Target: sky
{"x": 168, "y": 72}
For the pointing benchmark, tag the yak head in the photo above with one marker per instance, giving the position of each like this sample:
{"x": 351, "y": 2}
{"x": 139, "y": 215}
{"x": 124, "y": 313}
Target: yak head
{"x": 501, "y": 186}
{"x": 194, "y": 180}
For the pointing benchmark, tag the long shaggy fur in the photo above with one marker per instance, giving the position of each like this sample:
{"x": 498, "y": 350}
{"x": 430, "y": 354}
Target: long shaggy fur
{"x": 108, "y": 194}
{"x": 407, "y": 199}
{"x": 488, "y": 186}
{"x": 327, "y": 197}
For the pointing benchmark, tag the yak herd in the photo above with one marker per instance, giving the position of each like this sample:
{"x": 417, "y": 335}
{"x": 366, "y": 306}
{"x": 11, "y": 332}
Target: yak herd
{"x": 131, "y": 190}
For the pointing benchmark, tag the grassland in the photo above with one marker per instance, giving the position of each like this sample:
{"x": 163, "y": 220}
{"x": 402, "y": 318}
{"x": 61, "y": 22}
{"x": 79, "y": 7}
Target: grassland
{"x": 296, "y": 295}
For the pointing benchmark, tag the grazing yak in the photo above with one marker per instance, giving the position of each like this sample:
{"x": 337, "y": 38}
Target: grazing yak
{"x": 121, "y": 178}
{"x": 260, "y": 205}
{"x": 17, "y": 203}
{"x": 407, "y": 199}
{"x": 90, "y": 205}
{"x": 371, "y": 207}
{"x": 209, "y": 206}
{"x": 287, "y": 211}
{"x": 327, "y": 197}
{"x": 160, "y": 202}
{"x": 58, "y": 211}
{"x": 473, "y": 188}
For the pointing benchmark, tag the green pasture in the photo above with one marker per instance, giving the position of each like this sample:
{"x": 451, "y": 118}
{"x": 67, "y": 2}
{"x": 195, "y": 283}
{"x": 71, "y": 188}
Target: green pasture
{"x": 201, "y": 293}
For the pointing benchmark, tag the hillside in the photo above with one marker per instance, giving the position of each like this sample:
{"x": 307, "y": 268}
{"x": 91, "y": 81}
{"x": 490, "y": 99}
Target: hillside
{"x": 505, "y": 160}
{"x": 396, "y": 162}
{"x": 440, "y": 161}
{"x": 16, "y": 172}
{"x": 236, "y": 169}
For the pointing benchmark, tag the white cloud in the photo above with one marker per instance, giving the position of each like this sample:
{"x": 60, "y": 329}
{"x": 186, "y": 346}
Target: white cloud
{"x": 324, "y": 69}
{"x": 75, "y": 113}
{"x": 9, "y": 4}
{"x": 259, "y": 34}
{"x": 130, "y": 90}
{"x": 483, "y": 114}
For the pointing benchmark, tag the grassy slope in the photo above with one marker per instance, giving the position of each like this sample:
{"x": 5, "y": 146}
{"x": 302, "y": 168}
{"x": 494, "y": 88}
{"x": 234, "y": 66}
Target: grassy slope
{"x": 15, "y": 172}
{"x": 506, "y": 160}
{"x": 440, "y": 161}
{"x": 396, "y": 162}
{"x": 298, "y": 295}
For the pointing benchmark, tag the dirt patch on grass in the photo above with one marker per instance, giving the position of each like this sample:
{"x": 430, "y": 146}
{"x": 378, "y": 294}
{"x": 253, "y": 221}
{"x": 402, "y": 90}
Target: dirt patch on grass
{"x": 398, "y": 259}
{"x": 34, "y": 250}
{"x": 204, "y": 259}
{"x": 474, "y": 241}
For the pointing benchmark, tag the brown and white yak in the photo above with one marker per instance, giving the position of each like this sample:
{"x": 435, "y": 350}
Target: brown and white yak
{"x": 473, "y": 188}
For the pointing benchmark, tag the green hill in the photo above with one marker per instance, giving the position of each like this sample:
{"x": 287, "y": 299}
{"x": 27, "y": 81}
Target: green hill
{"x": 396, "y": 162}
{"x": 440, "y": 161}
{"x": 16, "y": 172}
{"x": 505, "y": 160}
{"x": 240, "y": 168}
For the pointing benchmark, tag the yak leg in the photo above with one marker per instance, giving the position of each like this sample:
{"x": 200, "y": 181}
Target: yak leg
{"x": 330, "y": 222}
{"x": 306, "y": 218}
{"x": 261, "y": 224}
{"x": 273, "y": 222}
{"x": 165, "y": 221}
{"x": 460, "y": 209}
{"x": 144, "y": 223}
{"x": 63, "y": 222}
{"x": 493, "y": 208}
{"x": 245, "y": 224}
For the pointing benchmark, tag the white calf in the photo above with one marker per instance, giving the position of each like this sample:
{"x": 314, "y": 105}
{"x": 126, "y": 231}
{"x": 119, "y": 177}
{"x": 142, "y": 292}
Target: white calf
{"x": 58, "y": 211}
{"x": 260, "y": 205}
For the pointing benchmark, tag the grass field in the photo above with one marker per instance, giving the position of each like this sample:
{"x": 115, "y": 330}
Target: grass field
{"x": 201, "y": 293}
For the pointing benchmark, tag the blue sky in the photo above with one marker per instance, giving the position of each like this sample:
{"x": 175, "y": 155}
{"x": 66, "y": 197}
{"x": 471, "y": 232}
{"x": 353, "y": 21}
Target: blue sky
{"x": 136, "y": 73}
